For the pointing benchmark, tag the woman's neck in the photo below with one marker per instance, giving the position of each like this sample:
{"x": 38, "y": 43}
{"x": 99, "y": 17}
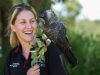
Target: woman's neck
{"x": 26, "y": 49}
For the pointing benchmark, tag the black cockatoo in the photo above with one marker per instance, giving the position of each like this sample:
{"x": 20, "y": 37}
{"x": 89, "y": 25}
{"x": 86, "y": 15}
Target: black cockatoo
{"x": 56, "y": 31}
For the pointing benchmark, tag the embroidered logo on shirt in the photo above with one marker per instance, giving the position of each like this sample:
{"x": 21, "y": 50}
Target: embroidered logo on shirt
{"x": 14, "y": 65}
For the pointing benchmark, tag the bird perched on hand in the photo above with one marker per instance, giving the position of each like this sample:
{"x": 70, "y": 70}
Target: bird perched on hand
{"x": 56, "y": 32}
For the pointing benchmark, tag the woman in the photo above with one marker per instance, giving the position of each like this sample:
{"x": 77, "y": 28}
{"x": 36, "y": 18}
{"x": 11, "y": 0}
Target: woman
{"x": 22, "y": 27}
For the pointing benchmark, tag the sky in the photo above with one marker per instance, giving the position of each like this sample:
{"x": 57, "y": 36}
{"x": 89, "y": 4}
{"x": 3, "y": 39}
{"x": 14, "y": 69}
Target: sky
{"x": 60, "y": 8}
{"x": 90, "y": 10}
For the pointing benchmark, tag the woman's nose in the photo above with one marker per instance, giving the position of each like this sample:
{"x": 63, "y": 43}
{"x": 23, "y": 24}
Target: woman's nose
{"x": 28, "y": 25}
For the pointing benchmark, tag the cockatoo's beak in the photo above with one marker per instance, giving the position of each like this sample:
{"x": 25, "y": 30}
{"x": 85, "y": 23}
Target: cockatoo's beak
{"x": 42, "y": 20}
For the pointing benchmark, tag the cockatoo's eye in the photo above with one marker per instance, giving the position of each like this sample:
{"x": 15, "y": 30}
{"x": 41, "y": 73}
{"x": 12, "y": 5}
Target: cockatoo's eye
{"x": 42, "y": 20}
{"x": 42, "y": 15}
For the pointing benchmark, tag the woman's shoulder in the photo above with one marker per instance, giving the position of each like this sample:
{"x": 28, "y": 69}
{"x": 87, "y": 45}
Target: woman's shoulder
{"x": 12, "y": 52}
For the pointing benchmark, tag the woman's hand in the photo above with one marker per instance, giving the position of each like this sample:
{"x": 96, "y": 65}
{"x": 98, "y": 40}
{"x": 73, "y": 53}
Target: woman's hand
{"x": 35, "y": 70}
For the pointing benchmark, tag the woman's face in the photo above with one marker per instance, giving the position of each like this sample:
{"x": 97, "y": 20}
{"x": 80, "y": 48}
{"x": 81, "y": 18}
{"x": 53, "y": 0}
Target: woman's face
{"x": 25, "y": 26}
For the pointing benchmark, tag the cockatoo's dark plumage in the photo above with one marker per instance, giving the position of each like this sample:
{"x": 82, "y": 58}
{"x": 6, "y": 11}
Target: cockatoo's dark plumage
{"x": 56, "y": 31}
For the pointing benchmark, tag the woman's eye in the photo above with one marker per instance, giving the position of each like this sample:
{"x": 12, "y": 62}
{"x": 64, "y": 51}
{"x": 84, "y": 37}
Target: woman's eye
{"x": 33, "y": 21}
{"x": 22, "y": 22}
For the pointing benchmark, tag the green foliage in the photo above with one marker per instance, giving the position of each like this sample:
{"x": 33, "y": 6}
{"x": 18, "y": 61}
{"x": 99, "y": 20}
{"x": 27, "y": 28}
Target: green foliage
{"x": 38, "y": 51}
{"x": 40, "y": 5}
{"x": 18, "y": 1}
{"x": 86, "y": 48}
{"x": 88, "y": 28}
{"x": 73, "y": 9}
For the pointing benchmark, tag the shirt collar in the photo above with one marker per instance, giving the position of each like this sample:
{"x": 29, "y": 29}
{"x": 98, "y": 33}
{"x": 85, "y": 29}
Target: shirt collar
{"x": 18, "y": 49}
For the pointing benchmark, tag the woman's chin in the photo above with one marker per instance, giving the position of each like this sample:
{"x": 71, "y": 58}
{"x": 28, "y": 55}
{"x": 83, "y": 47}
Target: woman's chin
{"x": 30, "y": 40}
